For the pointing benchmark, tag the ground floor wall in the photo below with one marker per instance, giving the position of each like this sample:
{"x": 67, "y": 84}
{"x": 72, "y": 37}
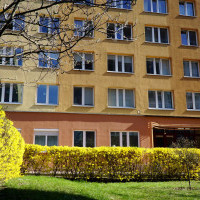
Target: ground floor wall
{"x": 103, "y": 125}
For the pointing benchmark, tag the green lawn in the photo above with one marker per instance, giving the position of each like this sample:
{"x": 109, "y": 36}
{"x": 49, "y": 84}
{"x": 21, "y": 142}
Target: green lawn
{"x": 49, "y": 188}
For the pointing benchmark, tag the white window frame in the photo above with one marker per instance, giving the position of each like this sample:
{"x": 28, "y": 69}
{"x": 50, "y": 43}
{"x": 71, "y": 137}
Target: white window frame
{"x": 10, "y": 94}
{"x": 127, "y": 137}
{"x": 185, "y": 7}
{"x": 91, "y": 2}
{"x": 83, "y": 31}
{"x": 163, "y": 100}
{"x": 190, "y": 68}
{"x": 84, "y": 137}
{"x": 123, "y": 64}
{"x": 188, "y": 38}
{"x": 12, "y": 22}
{"x": 124, "y": 99}
{"x": 49, "y": 24}
{"x": 82, "y": 56}
{"x": 160, "y": 66}
{"x": 46, "y": 133}
{"x": 47, "y": 96}
{"x": 193, "y": 101}
{"x": 48, "y": 58}
{"x": 114, "y": 4}
{"x": 122, "y": 28}
{"x": 157, "y": 7}
{"x": 12, "y": 56}
{"x": 20, "y": 130}
{"x": 83, "y": 97}
{"x": 159, "y": 37}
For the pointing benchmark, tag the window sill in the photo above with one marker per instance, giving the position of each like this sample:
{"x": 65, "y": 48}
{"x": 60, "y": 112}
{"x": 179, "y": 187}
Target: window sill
{"x": 82, "y": 70}
{"x": 10, "y": 103}
{"x": 18, "y": 66}
{"x": 40, "y": 67}
{"x": 194, "y": 110}
{"x": 84, "y": 37}
{"x": 41, "y": 104}
{"x": 121, "y": 107}
{"x": 130, "y": 73}
{"x": 164, "y": 109}
{"x": 190, "y": 77}
{"x": 121, "y": 9}
{"x": 84, "y": 4}
{"x": 156, "y": 43}
{"x": 85, "y": 106}
{"x": 189, "y": 46}
{"x": 187, "y": 16}
{"x": 160, "y": 75}
{"x": 112, "y": 39}
{"x": 156, "y": 13}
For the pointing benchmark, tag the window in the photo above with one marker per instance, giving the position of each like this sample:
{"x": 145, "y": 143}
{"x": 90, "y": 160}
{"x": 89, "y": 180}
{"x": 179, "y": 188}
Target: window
{"x": 186, "y": 8}
{"x": 158, "y": 66}
{"x": 191, "y": 68}
{"x": 83, "y": 96}
{"x": 84, "y": 139}
{"x": 124, "y": 139}
{"x": 119, "y": 31}
{"x": 83, "y": 28}
{"x": 121, "y": 64}
{"x": 83, "y": 61}
{"x": 19, "y": 129}
{"x": 46, "y": 137}
{"x": 193, "y": 100}
{"x": 49, "y": 60}
{"x": 123, "y": 4}
{"x": 156, "y": 35}
{"x": 17, "y": 24}
{"x": 49, "y": 25}
{"x": 85, "y": 2}
{"x": 11, "y": 56}
{"x": 11, "y": 93}
{"x": 156, "y": 6}
{"x": 160, "y": 99}
{"x": 121, "y": 98}
{"x": 189, "y": 38}
{"x": 47, "y": 94}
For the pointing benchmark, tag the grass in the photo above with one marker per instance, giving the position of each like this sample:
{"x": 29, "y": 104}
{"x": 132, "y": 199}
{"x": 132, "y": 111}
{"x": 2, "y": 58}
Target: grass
{"x": 49, "y": 188}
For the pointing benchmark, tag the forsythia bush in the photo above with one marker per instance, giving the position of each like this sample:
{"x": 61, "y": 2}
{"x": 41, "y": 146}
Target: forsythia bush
{"x": 11, "y": 149}
{"x": 111, "y": 163}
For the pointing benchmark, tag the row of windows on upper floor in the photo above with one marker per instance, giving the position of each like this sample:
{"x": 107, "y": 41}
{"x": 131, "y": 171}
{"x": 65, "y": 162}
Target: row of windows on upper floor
{"x": 12, "y": 93}
{"x": 186, "y": 8}
{"x": 115, "y": 31}
{"x": 115, "y": 63}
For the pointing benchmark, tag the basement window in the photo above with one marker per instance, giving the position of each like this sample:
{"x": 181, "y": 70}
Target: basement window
{"x": 124, "y": 139}
{"x": 84, "y": 139}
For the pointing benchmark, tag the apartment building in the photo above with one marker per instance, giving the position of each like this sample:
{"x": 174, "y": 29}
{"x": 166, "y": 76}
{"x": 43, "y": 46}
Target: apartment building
{"x": 137, "y": 86}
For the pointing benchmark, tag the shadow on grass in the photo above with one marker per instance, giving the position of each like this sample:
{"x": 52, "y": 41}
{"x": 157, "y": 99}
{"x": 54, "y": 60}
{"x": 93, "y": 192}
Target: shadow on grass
{"x": 26, "y": 194}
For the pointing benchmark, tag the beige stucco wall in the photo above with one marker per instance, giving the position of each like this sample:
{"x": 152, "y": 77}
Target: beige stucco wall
{"x": 101, "y": 80}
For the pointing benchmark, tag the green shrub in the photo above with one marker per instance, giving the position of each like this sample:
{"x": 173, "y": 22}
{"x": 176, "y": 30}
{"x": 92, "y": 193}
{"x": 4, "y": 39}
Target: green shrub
{"x": 11, "y": 149}
{"x": 111, "y": 163}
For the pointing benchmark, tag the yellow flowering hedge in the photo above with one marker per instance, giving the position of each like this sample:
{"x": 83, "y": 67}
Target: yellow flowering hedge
{"x": 111, "y": 163}
{"x": 11, "y": 149}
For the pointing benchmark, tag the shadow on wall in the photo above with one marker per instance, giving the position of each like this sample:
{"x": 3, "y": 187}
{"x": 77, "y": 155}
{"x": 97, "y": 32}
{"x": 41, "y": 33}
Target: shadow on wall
{"x": 25, "y": 194}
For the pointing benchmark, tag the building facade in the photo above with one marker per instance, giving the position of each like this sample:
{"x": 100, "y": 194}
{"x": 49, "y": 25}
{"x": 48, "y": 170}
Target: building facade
{"x": 137, "y": 86}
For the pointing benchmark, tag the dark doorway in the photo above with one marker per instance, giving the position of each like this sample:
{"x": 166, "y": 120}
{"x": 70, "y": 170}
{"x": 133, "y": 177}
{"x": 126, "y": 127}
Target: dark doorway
{"x": 165, "y": 137}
